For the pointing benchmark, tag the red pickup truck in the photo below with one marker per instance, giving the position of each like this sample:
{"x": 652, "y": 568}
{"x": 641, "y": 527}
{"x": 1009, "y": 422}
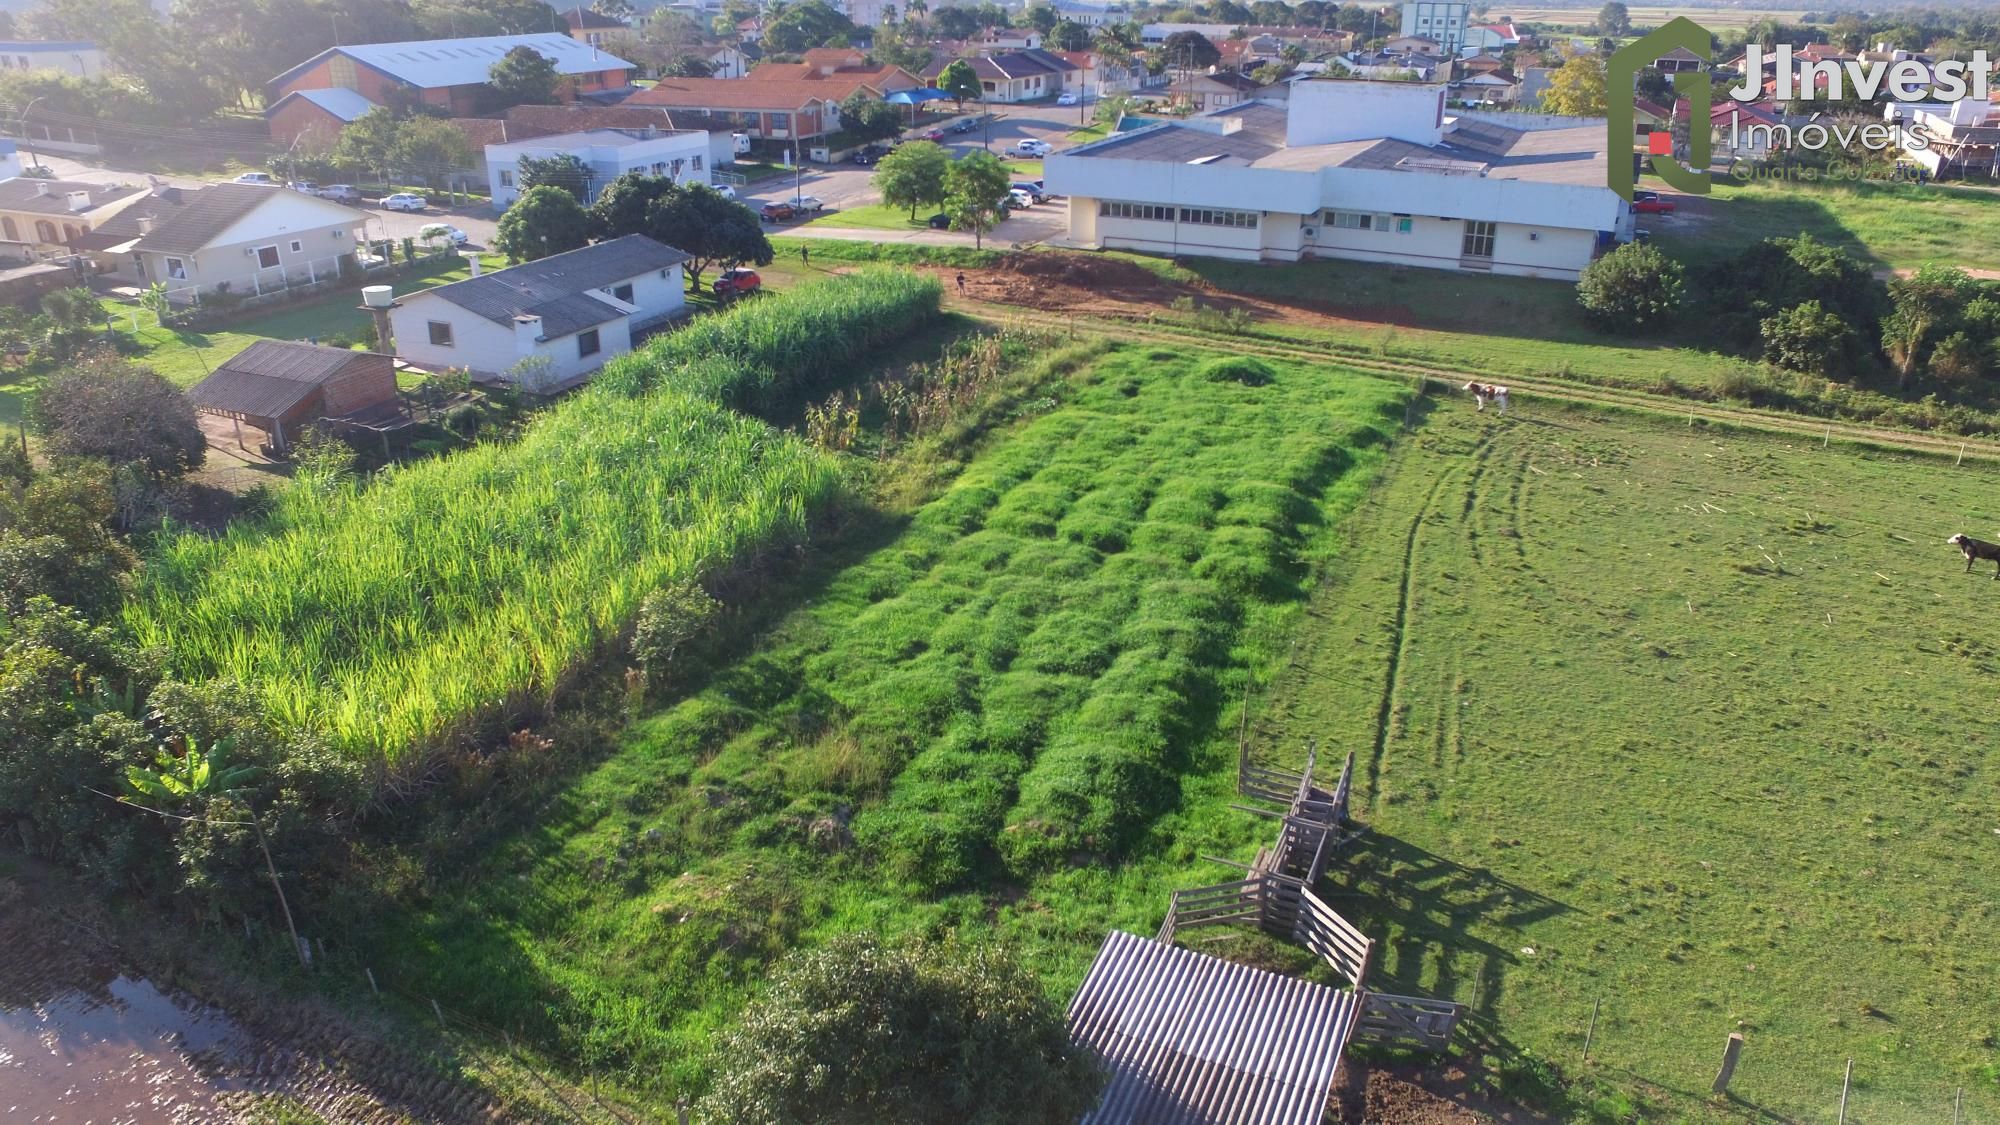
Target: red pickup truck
{"x": 1650, "y": 203}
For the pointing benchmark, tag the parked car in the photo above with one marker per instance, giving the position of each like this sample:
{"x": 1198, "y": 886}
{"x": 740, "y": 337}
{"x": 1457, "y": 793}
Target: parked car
{"x": 1650, "y": 203}
{"x": 404, "y": 201}
{"x": 1067, "y": 97}
{"x": 1022, "y": 198}
{"x": 934, "y": 135}
{"x": 777, "y": 212}
{"x": 1029, "y": 146}
{"x": 341, "y": 193}
{"x": 1030, "y": 188}
{"x": 808, "y": 205}
{"x": 940, "y": 221}
{"x": 444, "y": 231}
{"x": 38, "y": 171}
{"x": 304, "y": 187}
{"x": 865, "y": 156}
{"x": 737, "y": 283}
{"x": 263, "y": 178}
{"x": 724, "y": 190}
{"x": 969, "y": 125}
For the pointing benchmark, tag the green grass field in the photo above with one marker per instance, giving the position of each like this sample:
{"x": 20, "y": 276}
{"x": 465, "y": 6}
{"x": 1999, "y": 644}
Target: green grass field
{"x": 871, "y": 216}
{"x": 1012, "y": 696}
{"x": 1695, "y": 723}
{"x": 1889, "y": 225}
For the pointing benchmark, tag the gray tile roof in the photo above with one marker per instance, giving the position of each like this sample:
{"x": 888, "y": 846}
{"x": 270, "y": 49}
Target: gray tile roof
{"x": 557, "y": 288}
{"x": 186, "y": 219}
{"x": 27, "y": 194}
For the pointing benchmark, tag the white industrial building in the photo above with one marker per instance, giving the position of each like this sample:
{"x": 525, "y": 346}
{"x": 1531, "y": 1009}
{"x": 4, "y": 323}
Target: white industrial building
{"x": 1372, "y": 171}
{"x": 606, "y": 154}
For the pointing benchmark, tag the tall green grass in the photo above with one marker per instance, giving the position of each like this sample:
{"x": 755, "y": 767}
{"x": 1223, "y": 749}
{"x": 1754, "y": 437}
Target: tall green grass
{"x": 392, "y": 613}
{"x": 772, "y": 350}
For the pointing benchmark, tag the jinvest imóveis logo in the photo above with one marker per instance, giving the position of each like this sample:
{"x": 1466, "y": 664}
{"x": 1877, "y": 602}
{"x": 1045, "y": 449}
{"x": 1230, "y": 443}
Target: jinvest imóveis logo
{"x": 1693, "y": 85}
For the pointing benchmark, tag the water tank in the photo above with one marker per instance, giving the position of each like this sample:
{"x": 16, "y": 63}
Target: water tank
{"x": 378, "y": 296}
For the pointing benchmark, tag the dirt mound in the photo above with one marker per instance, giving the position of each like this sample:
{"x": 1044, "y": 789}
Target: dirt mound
{"x": 1071, "y": 282}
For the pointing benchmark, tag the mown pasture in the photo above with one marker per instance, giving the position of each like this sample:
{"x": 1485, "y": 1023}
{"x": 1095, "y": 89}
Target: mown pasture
{"x": 1696, "y": 723}
{"x": 1004, "y": 712}
{"x": 392, "y": 614}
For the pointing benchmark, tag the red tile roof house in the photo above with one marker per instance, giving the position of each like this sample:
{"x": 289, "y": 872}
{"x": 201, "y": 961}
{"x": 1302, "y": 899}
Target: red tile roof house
{"x": 841, "y": 67}
{"x": 447, "y": 73}
{"x": 793, "y": 109}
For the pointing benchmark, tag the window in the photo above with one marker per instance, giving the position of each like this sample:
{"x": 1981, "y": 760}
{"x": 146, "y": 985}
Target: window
{"x": 623, "y": 292}
{"x": 267, "y": 256}
{"x": 1148, "y": 212}
{"x": 506, "y": 178}
{"x": 1478, "y": 238}
{"x": 13, "y": 232}
{"x": 45, "y": 230}
{"x": 1212, "y": 218}
{"x": 1404, "y": 224}
{"x": 177, "y": 269}
{"x": 697, "y": 163}
{"x": 586, "y": 343}
{"x": 659, "y": 168}
{"x": 297, "y": 246}
{"x": 1357, "y": 220}
{"x": 440, "y": 334}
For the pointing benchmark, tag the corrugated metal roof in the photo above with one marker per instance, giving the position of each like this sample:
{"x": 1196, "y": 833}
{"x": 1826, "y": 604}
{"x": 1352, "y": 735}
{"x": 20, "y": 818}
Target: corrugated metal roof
{"x": 270, "y": 377}
{"x": 1192, "y": 1039}
{"x": 346, "y": 104}
{"x": 432, "y": 63}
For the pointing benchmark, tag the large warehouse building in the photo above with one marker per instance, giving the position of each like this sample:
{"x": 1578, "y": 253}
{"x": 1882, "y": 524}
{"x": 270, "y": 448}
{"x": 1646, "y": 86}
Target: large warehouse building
{"x": 1351, "y": 169}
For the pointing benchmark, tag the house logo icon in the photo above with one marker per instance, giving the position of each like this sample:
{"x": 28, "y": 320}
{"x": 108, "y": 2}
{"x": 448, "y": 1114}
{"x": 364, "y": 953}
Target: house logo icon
{"x": 1619, "y": 73}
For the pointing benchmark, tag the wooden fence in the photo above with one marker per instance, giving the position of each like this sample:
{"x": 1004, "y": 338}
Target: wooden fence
{"x": 1281, "y": 907}
{"x": 1408, "y": 1019}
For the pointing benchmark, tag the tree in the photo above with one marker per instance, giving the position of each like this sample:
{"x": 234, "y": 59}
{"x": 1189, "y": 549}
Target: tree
{"x": 545, "y": 220}
{"x": 803, "y": 26}
{"x": 1633, "y": 285}
{"x": 960, "y": 81}
{"x": 869, "y": 118}
{"x": 1614, "y": 20}
{"x": 1959, "y": 358}
{"x": 524, "y": 76}
{"x": 561, "y": 170}
{"x": 1576, "y": 89}
{"x": 621, "y": 207}
{"x": 696, "y": 220}
{"x": 975, "y": 187}
{"x": 688, "y": 65}
{"x": 614, "y": 9}
{"x": 369, "y": 142}
{"x": 1069, "y": 35}
{"x": 956, "y": 22}
{"x": 1043, "y": 18}
{"x": 1925, "y": 306}
{"x": 907, "y": 1034}
{"x": 431, "y": 147}
{"x": 913, "y": 175}
{"x": 1190, "y": 49}
{"x": 1807, "y": 338}
{"x": 74, "y": 316}
{"x": 108, "y": 408}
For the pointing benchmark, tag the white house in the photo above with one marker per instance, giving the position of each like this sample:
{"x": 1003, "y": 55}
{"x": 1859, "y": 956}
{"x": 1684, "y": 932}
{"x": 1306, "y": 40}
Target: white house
{"x": 576, "y": 310}
{"x": 76, "y": 59}
{"x": 1351, "y": 169}
{"x": 1442, "y": 20}
{"x": 240, "y": 237}
{"x": 683, "y": 156}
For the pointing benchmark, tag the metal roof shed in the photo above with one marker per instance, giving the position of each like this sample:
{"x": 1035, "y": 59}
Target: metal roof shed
{"x": 1191, "y": 1039}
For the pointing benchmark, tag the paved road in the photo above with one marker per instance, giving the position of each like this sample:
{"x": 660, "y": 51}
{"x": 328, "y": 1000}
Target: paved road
{"x": 841, "y": 186}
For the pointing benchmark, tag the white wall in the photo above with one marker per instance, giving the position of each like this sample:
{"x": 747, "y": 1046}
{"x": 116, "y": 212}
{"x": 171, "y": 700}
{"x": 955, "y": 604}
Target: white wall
{"x": 657, "y": 297}
{"x": 1326, "y": 111}
{"x": 231, "y": 257}
{"x": 486, "y": 348}
{"x": 606, "y": 161}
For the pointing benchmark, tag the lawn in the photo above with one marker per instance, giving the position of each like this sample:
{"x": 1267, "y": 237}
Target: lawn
{"x": 871, "y": 216}
{"x": 187, "y": 357}
{"x": 1000, "y": 709}
{"x": 1694, "y": 723}
{"x": 1890, "y": 225}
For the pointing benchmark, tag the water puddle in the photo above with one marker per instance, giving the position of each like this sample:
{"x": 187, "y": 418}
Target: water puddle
{"x": 115, "y": 1054}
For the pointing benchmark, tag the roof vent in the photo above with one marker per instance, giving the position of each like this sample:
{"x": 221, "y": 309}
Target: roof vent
{"x": 77, "y": 201}
{"x": 42, "y": 188}
{"x": 146, "y": 223}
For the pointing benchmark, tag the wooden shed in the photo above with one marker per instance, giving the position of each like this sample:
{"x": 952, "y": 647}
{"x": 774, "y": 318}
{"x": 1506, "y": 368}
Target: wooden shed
{"x": 280, "y": 387}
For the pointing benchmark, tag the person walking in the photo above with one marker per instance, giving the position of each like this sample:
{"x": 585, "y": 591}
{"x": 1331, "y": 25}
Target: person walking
{"x": 961, "y": 282}
{"x": 806, "y": 256}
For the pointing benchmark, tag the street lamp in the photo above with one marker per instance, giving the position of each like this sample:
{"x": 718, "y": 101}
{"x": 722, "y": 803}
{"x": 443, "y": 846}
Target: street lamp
{"x": 27, "y": 142}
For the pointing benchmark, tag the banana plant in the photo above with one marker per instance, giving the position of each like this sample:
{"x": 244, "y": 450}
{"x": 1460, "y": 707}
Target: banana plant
{"x": 190, "y": 776}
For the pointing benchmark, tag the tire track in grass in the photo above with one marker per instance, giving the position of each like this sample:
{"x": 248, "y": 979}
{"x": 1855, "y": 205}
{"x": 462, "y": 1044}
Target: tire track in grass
{"x": 1385, "y": 709}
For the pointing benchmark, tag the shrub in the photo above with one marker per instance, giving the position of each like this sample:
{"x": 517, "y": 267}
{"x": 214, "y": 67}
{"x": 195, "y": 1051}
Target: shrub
{"x": 1633, "y": 285}
{"x": 1249, "y": 371}
{"x": 669, "y": 617}
{"x": 902, "y": 1035}
{"x": 1959, "y": 358}
{"x": 1807, "y": 338}
{"x": 107, "y": 408}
